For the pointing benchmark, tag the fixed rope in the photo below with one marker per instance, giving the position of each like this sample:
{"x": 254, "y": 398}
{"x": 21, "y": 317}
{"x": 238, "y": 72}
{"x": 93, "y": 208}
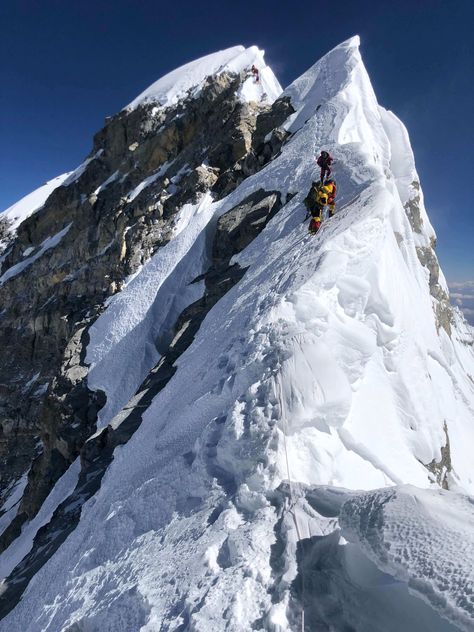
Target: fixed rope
{"x": 292, "y": 500}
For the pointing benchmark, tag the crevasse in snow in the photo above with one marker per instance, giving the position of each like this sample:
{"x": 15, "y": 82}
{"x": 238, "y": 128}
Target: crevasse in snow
{"x": 323, "y": 365}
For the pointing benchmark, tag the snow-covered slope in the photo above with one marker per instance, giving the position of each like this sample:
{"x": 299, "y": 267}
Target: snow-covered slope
{"x": 328, "y": 366}
{"x": 188, "y": 79}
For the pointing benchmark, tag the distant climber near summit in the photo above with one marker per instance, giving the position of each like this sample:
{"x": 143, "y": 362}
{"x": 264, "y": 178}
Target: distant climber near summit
{"x": 324, "y": 161}
{"x": 255, "y": 73}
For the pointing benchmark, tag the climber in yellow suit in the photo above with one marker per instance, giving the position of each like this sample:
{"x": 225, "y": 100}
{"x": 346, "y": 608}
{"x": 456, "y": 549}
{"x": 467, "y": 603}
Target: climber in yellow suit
{"x": 319, "y": 196}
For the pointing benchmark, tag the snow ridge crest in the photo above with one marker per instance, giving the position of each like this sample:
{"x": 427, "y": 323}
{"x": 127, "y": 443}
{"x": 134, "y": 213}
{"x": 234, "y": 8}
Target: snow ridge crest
{"x": 188, "y": 78}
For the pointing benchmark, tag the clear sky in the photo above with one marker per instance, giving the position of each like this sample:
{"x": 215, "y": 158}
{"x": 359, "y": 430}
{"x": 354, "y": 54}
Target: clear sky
{"x": 66, "y": 64}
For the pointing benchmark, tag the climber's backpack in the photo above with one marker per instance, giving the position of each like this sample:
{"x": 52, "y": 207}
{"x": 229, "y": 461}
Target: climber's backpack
{"x": 311, "y": 199}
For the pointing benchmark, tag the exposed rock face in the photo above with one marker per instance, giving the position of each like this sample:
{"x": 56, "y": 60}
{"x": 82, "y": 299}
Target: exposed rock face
{"x": 444, "y": 314}
{"x": 4, "y": 234}
{"x": 239, "y": 226}
{"x": 109, "y": 217}
{"x": 428, "y": 259}
{"x": 412, "y": 209}
{"x": 442, "y": 468}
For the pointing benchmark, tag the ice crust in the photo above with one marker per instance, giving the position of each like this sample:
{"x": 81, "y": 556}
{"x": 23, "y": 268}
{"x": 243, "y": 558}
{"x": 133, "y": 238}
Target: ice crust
{"x": 324, "y": 365}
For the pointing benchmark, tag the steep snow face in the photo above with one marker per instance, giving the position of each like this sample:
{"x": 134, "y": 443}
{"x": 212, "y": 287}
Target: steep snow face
{"x": 146, "y": 309}
{"x": 323, "y": 366}
{"x": 32, "y": 202}
{"x": 188, "y": 79}
{"x": 20, "y": 547}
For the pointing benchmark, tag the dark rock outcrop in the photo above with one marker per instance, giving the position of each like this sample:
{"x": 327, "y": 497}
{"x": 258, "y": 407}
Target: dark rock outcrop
{"x": 442, "y": 468}
{"x": 239, "y": 226}
{"x": 443, "y": 309}
{"x": 428, "y": 259}
{"x": 412, "y": 209}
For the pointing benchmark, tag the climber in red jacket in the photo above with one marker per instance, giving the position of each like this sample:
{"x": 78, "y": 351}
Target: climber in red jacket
{"x": 324, "y": 161}
{"x": 255, "y": 73}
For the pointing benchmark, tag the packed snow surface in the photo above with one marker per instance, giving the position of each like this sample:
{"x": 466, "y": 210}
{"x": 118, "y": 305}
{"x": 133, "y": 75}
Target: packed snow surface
{"x": 190, "y": 77}
{"x": 146, "y": 309}
{"x": 323, "y": 365}
{"x": 424, "y": 538}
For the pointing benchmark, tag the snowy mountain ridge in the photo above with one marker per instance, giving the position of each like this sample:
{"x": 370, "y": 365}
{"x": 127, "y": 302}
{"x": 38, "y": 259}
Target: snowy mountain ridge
{"x": 267, "y": 377}
{"x": 190, "y": 77}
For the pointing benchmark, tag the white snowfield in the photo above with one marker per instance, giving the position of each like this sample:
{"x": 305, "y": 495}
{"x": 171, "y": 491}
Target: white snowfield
{"x": 189, "y": 78}
{"x": 323, "y": 365}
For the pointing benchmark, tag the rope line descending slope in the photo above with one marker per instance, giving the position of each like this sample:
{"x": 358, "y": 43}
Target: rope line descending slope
{"x": 292, "y": 500}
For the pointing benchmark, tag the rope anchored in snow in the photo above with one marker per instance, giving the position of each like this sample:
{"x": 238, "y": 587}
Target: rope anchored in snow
{"x": 290, "y": 509}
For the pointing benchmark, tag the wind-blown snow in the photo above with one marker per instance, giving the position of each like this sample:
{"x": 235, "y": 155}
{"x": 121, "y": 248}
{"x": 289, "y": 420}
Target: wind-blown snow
{"x": 32, "y": 202}
{"x": 324, "y": 364}
{"x": 190, "y": 77}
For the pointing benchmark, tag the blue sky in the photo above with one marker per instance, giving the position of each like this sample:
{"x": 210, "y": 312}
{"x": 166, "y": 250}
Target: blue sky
{"x": 65, "y": 65}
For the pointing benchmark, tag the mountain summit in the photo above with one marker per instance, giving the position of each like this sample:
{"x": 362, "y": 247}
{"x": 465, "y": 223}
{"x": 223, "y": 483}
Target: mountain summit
{"x": 212, "y": 419}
